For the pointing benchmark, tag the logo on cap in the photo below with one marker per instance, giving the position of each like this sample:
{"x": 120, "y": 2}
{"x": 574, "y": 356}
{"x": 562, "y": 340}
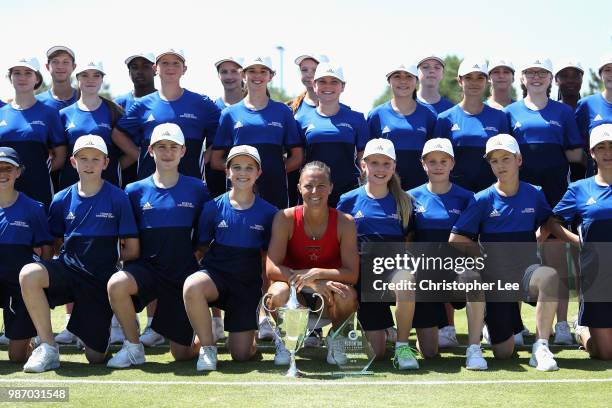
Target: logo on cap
{"x": 258, "y": 59}
{"x": 476, "y": 66}
{"x": 380, "y": 147}
{"x": 439, "y": 146}
{"x": 330, "y": 70}
{"x": 166, "y": 133}
{"x": 23, "y": 60}
{"x": 90, "y": 143}
{"x": 537, "y": 62}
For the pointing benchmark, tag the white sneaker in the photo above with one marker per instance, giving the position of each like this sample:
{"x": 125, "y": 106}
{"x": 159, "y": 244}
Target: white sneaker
{"x": 282, "y": 355}
{"x": 336, "y": 353}
{"x": 65, "y": 337}
{"x": 486, "y": 339}
{"x": 474, "y": 359}
{"x": 265, "y": 331}
{"x": 207, "y": 360}
{"x": 391, "y": 333}
{"x": 314, "y": 339}
{"x": 447, "y": 337}
{"x": 129, "y": 355}
{"x": 151, "y": 338}
{"x": 578, "y": 331}
{"x": 405, "y": 358}
{"x": 518, "y": 339}
{"x": 218, "y": 332}
{"x": 563, "y": 335}
{"x": 4, "y": 341}
{"x": 542, "y": 358}
{"x": 45, "y": 357}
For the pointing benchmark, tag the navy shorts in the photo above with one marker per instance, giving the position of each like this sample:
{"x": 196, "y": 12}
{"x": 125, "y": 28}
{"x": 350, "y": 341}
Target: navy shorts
{"x": 595, "y": 314}
{"x": 239, "y": 297}
{"x": 170, "y": 319}
{"x": 429, "y": 314}
{"x": 91, "y": 316}
{"x": 17, "y": 322}
{"x": 375, "y": 315}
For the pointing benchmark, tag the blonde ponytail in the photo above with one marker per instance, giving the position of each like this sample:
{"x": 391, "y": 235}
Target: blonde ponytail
{"x": 402, "y": 200}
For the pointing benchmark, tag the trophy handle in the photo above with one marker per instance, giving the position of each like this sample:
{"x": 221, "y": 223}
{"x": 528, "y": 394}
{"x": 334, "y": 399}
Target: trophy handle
{"x": 269, "y": 315}
{"x": 319, "y": 311}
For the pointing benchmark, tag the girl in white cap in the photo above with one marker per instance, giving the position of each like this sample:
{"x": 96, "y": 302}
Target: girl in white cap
{"x": 568, "y": 78}
{"x": 382, "y": 212}
{"x": 33, "y": 130}
{"x": 501, "y": 78}
{"x": 431, "y": 72}
{"x": 405, "y": 122}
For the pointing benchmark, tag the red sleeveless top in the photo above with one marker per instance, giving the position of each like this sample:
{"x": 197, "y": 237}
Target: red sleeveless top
{"x": 306, "y": 253}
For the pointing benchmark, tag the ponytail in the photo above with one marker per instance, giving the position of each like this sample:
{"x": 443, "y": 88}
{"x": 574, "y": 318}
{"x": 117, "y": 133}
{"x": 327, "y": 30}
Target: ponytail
{"x": 402, "y": 200}
{"x": 295, "y": 103}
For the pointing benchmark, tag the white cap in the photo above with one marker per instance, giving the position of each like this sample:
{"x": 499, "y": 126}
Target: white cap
{"x": 433, "y": 57}
{"x": 569, "y": 64}
{"x": 167, "y": 131}
{"x": 380, "y": 146}
{"x": 469, "y": 65}
{"x": 235, "y": 60}
{"x": 409, "y": 68}
{"x": 171, "y": 51}
{"x": 317, "y": 57}
{"x": 543, "y": 63}
{"x": 326, "y": 69}
{"x": 244, "y": 150}
{"x": 90, "y": 142}
{"x": 600, "y": 134}
{"x": 502, "y": 142}
{"x": 500, "y": 62}
{"x": 438, "y": 144}
{"x": 28, "y": 62}
{"x": 97, "y": 65}
{"x": 57, "y": 48}
{"x": 605, "y": 60}
{"x": 146, "y": 55}
{"x": 258, "y": 60}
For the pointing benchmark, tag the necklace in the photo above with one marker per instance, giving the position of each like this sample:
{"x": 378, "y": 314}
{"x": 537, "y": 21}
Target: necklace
{"x": 312, "y": 235}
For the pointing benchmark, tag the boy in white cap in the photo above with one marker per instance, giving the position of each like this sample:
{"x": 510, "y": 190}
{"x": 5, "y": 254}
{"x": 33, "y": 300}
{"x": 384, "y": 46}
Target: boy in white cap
{"x": 89, "y": 220}
{"x": 431, "y": 72}
{"x": 60, "y": 64}
{"x": 141, "y": 68}
{"x": 512, "y": 211}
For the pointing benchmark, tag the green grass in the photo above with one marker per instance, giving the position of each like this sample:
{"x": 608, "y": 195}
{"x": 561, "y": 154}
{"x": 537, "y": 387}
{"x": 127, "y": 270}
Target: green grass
{"x": 574, "y": 364}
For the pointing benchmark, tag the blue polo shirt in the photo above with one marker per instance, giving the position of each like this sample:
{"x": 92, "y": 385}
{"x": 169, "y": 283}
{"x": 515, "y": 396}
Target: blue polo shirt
{"x": 469, "y": 135}
{"x": 408, "y": 134}
{"x": 56, "y": 104}
{"x": 592, "y": 111}
{"x": 442, "y": 105}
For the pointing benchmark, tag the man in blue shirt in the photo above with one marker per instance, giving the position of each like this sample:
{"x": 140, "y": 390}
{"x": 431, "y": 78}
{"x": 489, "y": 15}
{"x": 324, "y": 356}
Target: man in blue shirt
{"x": 60, "y": 64}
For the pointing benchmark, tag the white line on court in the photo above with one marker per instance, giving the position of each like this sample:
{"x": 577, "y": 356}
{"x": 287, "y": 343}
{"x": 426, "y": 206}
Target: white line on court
{"x": 329, "y": 383}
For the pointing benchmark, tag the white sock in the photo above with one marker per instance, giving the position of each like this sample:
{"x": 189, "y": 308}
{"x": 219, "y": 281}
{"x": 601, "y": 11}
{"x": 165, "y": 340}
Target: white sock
{"x": 398, "y": 344}
{"x": 218, "y": 319}
{"x": 543, "y": 342}
{"x": 149, "y": 321}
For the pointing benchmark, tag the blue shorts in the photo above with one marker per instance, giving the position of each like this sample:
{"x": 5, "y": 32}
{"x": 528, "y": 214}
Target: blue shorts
{"x": 170, "y": 318}
{"x": 17, "y": 322}
{"x": 91, "y": 316}
{"x": 595, "y": 314}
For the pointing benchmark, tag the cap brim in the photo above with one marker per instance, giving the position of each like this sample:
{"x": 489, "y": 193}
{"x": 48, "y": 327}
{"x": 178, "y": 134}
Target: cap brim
{"x": 62, "y": 48}
{"x": 499, "y": 148}
{"x": 133, "y": 57}
{"x": 301, "y": 58}
{"x": 74, "y": 152}
{"x": 440, "y": 60}
{"x": 252, "y": 156}
{"x": 501, "y": 65}
{"x": 9, "y": 161}
{"x": 25, "y": 65}
{"x": 218, "y": 63}
{"x": 176, "y": 54}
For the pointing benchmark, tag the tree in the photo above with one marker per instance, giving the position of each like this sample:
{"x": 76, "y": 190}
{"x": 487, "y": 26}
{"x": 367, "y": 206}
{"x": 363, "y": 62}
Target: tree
{"x": 595, "y": 83}
{"x": 279, "y": 94}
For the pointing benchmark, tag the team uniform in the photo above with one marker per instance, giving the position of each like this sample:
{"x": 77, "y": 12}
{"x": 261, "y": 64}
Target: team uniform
{"x": 221, "y": 103}
{"x": 377, "y": 221}
{"x": 592, "y": 111}
{"x": 166, "y": 218}
{"x": 488, "y": 103}
{"x": 126, "y": 100}
{"x": 408, "y": 134}
{"x": 590, "y": 204}
{"x": 57, "y": 104}
{"x": 196, "y": 115}
{"x": 491, "y": 218}
{"x": 77, "y": 122}
{"x": 23, "y": 226}
{"x": 234, "y": 260}
{"x": 544, "y": 136}
{"x": 272, "y": 131}
{"x": 32, "y": 132}
{"x": 335, "y": 141}
{"x": 442, "y": 105}
{"x": 469, "y": 135}
{"x": 91, "y": 228}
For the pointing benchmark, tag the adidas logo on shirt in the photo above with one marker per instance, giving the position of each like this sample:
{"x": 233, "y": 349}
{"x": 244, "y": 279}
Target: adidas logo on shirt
{"x": 359, "y": 214}
{"x": 222, "y": 224}
{"x": 70, "y": 216}
{"x": 495, "y": 213}
{"x": 151, "y": 118}
{"x": 238, "y": 125}
{"x": 597, "y": 117}
{"x": 422, "y": 129}
{"x": 517, "y": 125}
{"x": 310, "y": 127}
{"x": 591, "y": 201}
{"x": 3, "y": 123}
{"x": 71, "y": 125}
{"x": 147, "y": 206}
{"x": 455, "y": 127}
{"x": 386, "y": 129}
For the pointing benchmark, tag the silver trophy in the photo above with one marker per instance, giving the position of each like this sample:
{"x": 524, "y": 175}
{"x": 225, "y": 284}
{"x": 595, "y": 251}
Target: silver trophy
{"x": 292, "y": 325}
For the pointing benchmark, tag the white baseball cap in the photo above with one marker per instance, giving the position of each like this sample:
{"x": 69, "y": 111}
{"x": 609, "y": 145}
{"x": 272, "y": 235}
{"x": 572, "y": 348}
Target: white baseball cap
{"x": 600, "y": 134}
{"x": 569, "y": 64}
{"x": 243, "y": 150}
{"x": 90, "y": 142}
{"x": 326, "y": 69}
{"x": 469, "y": 65}
{"x": 502, "y": 142}
{"x": 500, "y": 62}
{"x": 235, "y": 60}
{"x": 433, "y": 57}
{"x": 605, "y": 60}
{"x": 167, "y": 131}
{"x": 97, "y": 65}
{"x": 258, "y": 60}
{"x": 146, "y": 55}
{"x": 171, "y": 51}
{"x": 28, "y": 62}
{"x": 543, "y": 63}
{"x": 438, "y": 144}
{"x": 57, "y": 48}
{"x": 317, "y": 57}
{"x": 380, "y": 146}
{"x": 409, "y": 68}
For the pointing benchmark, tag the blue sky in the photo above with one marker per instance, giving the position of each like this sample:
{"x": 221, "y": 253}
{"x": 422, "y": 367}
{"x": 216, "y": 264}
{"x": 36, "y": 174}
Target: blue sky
{"x": 365, "y": 37}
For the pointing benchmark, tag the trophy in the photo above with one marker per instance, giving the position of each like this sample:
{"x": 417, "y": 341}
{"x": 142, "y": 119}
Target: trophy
{"x": 292, "y": 324}
{"x": 356, "y": 347}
